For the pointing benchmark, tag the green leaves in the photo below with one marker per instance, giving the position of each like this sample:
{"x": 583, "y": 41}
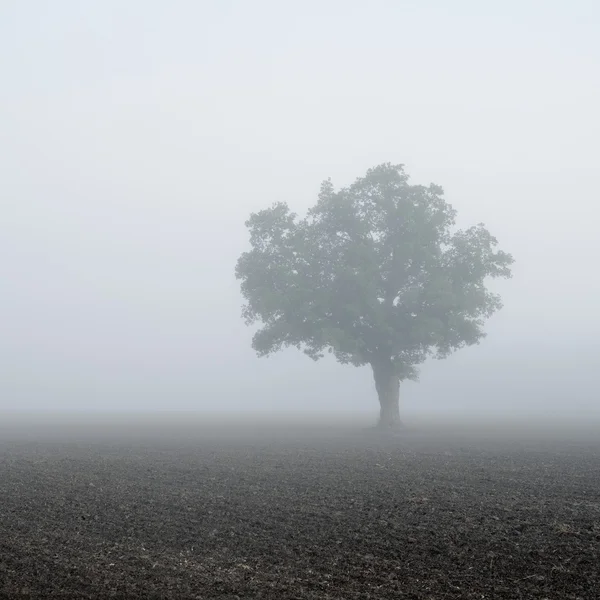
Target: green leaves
{"x": 374, "y": 271}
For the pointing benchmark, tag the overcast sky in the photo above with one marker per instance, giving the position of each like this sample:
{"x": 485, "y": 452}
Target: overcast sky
{"x": 137, "y": 136}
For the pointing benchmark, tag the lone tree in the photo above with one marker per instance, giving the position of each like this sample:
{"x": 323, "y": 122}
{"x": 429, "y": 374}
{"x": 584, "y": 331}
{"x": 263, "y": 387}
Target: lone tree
{"x": 376, "y": 274}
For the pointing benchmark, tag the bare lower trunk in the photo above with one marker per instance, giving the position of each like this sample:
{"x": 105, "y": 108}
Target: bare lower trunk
{"x": 387, "y": 384}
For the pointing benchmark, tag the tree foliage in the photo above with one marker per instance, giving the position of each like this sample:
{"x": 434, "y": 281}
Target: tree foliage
{"x": 374, "y": 272}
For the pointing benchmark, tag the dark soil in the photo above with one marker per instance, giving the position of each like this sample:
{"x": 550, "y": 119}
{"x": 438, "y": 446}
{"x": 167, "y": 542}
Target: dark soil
{"x": 289, "y": 516}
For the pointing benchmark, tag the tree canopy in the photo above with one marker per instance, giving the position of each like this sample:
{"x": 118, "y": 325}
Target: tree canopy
{"x": 375, "y": 273}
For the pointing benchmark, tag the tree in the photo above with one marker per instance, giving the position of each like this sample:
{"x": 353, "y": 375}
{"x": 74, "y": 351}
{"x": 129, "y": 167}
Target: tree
{"x": 376, "y": 274}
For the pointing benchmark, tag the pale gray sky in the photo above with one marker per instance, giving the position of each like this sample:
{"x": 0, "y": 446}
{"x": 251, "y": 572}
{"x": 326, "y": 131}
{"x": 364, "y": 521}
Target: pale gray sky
{"x": 137, "y": 136}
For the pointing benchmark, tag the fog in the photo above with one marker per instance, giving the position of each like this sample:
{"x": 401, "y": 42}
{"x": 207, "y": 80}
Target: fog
{"x": 137, "y": 137}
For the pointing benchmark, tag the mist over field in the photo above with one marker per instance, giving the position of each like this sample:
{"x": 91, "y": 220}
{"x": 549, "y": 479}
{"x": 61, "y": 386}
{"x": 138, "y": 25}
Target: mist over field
{"x": 139, "y": 136}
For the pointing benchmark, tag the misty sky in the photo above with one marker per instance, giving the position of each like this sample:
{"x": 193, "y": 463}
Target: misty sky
{"x": 137, "y": 136}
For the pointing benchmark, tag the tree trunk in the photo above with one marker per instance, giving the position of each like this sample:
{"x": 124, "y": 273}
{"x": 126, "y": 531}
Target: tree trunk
{"x": 387, "y": 384}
